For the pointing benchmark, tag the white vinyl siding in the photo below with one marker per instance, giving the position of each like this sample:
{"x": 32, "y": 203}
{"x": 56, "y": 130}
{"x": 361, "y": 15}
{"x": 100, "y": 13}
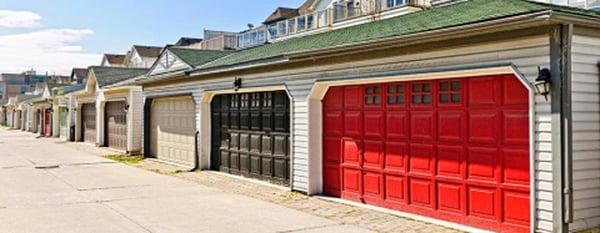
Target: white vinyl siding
{"x": 585, "y": 99}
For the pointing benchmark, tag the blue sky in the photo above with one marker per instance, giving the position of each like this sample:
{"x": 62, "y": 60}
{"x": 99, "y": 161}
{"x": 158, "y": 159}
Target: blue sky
{"x": 112, "y": 26}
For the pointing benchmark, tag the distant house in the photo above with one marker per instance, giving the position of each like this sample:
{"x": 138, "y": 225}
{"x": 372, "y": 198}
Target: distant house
{"x": 218, "y": 40}
{"x": 12, "y": 84}
{"x": 113, "y": 60}
{"x": 78, "y": 75}
{"x": 142, "y": 56}
{"x": 188, "y": 41}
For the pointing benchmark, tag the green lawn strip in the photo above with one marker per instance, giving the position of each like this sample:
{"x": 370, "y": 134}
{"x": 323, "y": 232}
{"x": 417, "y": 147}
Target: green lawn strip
{"x": 126, "y": 159}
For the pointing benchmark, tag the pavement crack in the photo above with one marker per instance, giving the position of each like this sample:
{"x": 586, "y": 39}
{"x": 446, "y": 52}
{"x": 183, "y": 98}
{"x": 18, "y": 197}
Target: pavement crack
{"x": 112, "y": 187}
{"x": 87, "y": 164}
{"x": 127, "y": 217}
{"x": 14, "y": 167}
{"x": 311, "y": 228}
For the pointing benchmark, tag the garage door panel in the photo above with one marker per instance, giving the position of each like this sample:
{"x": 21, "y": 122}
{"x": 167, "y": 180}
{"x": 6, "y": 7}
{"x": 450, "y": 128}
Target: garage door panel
{"x": 513, "y": 93}
{"x": 173, "y": 127}
{"x": 451, "y": 126}
{"x": 483, "y": 91}
{"x": 351, "y": 152}
{"x": 373, "y": 155}
{"x": 374, "y": 124}
{"x": 421, "y": 192}
{"x": 352, "y": 182}
{"x": 421, "y": 157}
{"x": 397, "y": 124}
{"x": 514, "y": 204}
{"x": 395, "y": 188}
{"x": 451, "y": 197}
{"x": 450, "y": 161}
{"x": 373, "y": 187}
{"x": 353, "y": 123}
{"x": 422, "y": 125}
{"x": 396, "y": 156}
{"x": 455, "y": 149}
{"x": 516, "y": 166}
{"x": 482, "y": 164}
{"x": 515, "y": 127}
{"x": 482, "y": 202}
{"x": 255, "y": 128}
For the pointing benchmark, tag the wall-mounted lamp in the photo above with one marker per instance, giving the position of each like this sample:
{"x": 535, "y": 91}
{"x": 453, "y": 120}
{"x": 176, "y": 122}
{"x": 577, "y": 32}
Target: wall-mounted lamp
{"x": 237, "y": 83}
{"x": 543, "y": 83}
{"x": 126, "y": 108}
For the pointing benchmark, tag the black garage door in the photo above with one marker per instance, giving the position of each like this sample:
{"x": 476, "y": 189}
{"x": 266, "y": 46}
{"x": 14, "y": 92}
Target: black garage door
{"x": 250, "y": 135}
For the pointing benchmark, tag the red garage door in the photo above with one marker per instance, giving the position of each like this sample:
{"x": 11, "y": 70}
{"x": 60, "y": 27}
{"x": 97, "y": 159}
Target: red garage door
{"x": 455, "y": 149}
{"x": 47, "y": 130}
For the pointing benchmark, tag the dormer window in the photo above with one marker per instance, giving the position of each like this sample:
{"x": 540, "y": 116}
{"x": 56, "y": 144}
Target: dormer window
{"x": 394, "y": 3}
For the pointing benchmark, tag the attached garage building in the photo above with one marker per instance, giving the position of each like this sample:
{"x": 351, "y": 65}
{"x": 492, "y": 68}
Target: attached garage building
{"x": 110, "y": 115}
{"x": 439, "y": 120}
{"x": 170, "y": 115}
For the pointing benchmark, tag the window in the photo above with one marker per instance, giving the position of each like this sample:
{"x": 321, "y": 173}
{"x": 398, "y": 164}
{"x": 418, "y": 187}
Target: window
{"x": 373, "y": 95}
{"x": 450, "y": 92}
{"x": 272, "y": 31}
{"x": 235, "y": 101}
{"x": 301, "y": 23}
{"x": 255, "y": 103}
{"x": 245, "y": 100}
{"x": 261, "y": 37}
{"x": 267, "y": 99}
{"x": 394, "y": 3}
{"x": 395, "y": 94}
{"x": 292, "y": 26}
{"x": 282, "y": 28}
{"x": 421, "y": 94}
{"x": 310, "y": 22}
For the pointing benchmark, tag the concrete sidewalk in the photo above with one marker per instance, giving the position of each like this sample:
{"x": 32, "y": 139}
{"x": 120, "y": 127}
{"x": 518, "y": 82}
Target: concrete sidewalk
{"x": 50, "y": 186}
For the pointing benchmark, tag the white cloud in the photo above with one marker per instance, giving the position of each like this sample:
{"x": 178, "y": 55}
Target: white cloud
{"x": 53, "y": 50}
{"x": 19, "y": 19}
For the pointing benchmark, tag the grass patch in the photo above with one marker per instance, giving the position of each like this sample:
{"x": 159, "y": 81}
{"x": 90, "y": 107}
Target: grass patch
{"x": 126, "y": 159}
{"x": 592, "y": 230}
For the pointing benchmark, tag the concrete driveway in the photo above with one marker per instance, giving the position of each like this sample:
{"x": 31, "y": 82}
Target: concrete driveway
{"x": 50, "y": 186}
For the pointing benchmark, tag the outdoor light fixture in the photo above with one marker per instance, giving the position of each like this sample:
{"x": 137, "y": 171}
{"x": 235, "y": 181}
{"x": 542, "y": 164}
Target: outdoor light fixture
{"x": 543, "y": 83}
{"x": 237, "y": 83}
{"x": 126, "y": 108}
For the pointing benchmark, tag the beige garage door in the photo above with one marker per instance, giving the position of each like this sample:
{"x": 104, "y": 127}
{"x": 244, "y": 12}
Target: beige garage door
{"x": 173, "y": 129}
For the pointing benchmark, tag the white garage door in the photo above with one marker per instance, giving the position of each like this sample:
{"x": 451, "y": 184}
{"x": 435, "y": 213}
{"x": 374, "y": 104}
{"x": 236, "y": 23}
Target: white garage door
{"x": 173, "y": 129}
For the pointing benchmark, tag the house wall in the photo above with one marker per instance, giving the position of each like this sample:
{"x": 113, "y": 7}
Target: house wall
{"x": 585, "y": 89}
{"x": 55, "y": 118}
{"x": 525, "y": 50}
{"x": 72, "y": 116}
{"x": 135, "y": 118}
{"x": 174, "y": 62}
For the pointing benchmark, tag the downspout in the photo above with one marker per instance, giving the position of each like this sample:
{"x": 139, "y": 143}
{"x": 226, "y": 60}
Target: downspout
{"x": 567, "y": 118}
{"x": 196, "y": 152}
{"x": 560, "y": 68}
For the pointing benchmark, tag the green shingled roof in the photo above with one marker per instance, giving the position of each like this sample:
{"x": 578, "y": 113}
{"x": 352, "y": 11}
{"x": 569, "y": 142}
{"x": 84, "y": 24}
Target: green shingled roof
{"x": 467, "y": 12}
{"x": 23, "y": 97}
{"x": 197, "y": 57}
{"x": 110, "y": 75}
{"x": 74, "y": 88}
